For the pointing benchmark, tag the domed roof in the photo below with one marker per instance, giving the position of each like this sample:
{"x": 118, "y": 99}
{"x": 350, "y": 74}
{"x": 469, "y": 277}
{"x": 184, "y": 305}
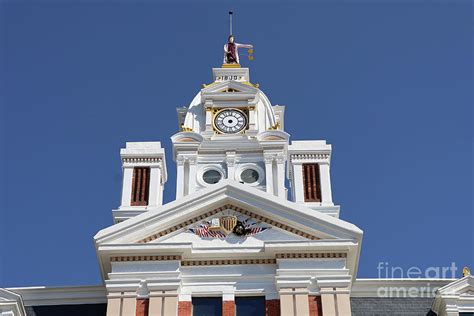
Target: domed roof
{"x": 230, "y": 90}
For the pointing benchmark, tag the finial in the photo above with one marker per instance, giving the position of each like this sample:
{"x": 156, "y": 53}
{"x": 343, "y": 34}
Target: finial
{"x": 143, "y": 291}
{"x": 230, "y": 21}
{"x": 466, "y": 271}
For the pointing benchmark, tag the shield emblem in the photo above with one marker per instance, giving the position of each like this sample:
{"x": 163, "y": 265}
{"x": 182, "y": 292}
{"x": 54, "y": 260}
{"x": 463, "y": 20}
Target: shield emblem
{"x": 228, "y": 223}
{"x": 215, "y": 224}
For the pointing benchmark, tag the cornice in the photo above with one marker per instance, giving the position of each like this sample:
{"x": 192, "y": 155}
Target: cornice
{"x": 11, "y": 303}
{"x": 371, "y": 287}
{"x": 142, "y": 159}
{"x": 77, "y": 295}
{"x": 309, "y": 157}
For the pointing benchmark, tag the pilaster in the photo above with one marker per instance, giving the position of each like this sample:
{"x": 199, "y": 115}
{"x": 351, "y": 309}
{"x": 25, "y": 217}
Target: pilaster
{"x": 280, "y": 163}
{"x": 156, "y": 189}
{"x": 326, "y": 194}
{"x": 335, "y": 301}
{"x": 191, "y": 182}
{"x": 127, "y": 186}
{"x": 297, "y": 183}
{"x": 269, "y": 173}
{"x": 230, "y": 162}
{"x": 180, "y": 176}
{"x": 294, "y": 302}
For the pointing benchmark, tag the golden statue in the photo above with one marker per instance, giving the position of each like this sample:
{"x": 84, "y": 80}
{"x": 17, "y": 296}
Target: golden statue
{"x": 466, "y": 271}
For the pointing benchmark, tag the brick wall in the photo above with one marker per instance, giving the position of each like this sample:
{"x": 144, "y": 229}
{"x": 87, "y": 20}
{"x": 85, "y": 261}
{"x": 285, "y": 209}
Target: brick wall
{"x": 228, "y": 308}
{"x": 272, "y": 308}
{"x": 370, "y": 306}
{"x": 315, "y": 306}
{"x": 142, "y": 307}
{"x": 185, "y": 308}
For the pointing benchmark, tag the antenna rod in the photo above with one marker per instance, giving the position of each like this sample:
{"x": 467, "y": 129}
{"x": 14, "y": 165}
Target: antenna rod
{"x": 230, "y": 21}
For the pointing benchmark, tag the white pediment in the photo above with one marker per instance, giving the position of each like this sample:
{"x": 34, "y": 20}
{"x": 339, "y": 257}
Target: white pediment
{"x": 229, "y": 86}
{"x": 11, "y": 303}
{"x": 289, "y": 228}
{"x": 458, "y": 287}
{"x": 249, "y": 231}
{"x": 207, "y": 202}
{"x": 457, "y": 296}
{"x": 230, "y": 91}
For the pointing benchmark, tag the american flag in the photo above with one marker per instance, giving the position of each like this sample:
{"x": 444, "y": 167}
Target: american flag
{"x": 255, "y": 230}
{"x": 203, "y": 231}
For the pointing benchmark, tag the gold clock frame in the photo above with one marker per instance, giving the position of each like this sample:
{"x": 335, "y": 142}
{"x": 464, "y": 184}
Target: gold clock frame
{"x": 243, "y": 111}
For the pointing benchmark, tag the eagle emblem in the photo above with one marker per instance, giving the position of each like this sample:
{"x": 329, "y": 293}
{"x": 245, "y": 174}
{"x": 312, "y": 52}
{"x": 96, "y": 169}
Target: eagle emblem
{"x": 222, "y": 226}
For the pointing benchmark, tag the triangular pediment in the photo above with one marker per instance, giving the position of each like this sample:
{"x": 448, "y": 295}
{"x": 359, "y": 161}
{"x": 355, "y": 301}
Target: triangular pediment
{"x": 247, "y": 200}
{"x": 11, "y": 303}
{"x": 233, "y": 226}
{"x": 229, "y": 86}
{"x": 464, "y": 286}
{"x": 282, "y": 227}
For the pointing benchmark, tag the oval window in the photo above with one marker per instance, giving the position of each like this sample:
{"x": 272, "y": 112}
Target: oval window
{"x": 211, "y": 176}
{"x": 249, "y": 176}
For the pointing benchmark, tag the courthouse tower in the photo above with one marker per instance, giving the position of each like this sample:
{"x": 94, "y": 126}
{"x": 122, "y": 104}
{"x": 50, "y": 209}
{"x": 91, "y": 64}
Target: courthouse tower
{"x": 236, "y": 240}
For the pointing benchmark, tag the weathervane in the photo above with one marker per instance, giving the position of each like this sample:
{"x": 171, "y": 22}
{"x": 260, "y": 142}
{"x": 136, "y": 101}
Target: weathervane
{"x": 231, "y": 49}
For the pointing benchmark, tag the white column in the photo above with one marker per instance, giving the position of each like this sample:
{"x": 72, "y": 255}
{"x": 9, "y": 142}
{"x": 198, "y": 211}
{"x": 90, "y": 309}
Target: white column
{"x": 230, "y": 162}
{"x": 170, "y": 305}
{"x": 208, "y": 117}
{"x": 253, "y": 127}
{"x": 155, "y": 306}
{"x": 192, "y": 175}
{"x": 328, "y": 302}
{"x": 269, "y": 173}
{"x": 302, "y": 303}
{"x": 155, "y": 197}
{"x": 281, "y": 191}
{"x": 129, "y": 304}
{"x": 294, "y": 302}
{"x": 179, "y": 177}
{"x": 252, "y": 118}
{"x": 326, "y": 195}
{"x": 287, "y": 306}
{"x": 127, "y": 186}
{"x": 343, "y": 303}
{"x": 297, "y": 183}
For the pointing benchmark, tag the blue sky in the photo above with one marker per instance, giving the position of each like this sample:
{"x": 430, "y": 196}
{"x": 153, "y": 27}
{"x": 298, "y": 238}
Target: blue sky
{"x": 388, "y": 84}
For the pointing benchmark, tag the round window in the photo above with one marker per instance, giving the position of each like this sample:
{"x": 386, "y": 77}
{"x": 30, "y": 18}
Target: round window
{"x": 249, "y": 176}
{"x": 211, "y": 176}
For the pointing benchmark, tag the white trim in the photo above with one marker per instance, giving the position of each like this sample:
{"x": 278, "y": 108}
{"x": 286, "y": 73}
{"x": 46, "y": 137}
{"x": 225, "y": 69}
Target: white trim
{"x": 76, "y": 295}
{"x": 455, "y": 297}
{"x": 126, "y": 233}
{"x": 11, "y": 303}
{"x": 202, "y": 170}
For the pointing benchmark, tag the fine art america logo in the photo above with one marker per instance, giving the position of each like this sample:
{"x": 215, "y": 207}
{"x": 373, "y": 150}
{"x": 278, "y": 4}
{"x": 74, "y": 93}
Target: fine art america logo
{"x": 385, "y": 271}
{"x": 228, "y": 223}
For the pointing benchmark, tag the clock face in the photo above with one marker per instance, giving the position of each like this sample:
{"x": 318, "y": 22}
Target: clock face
{"x": 230, "y": 121}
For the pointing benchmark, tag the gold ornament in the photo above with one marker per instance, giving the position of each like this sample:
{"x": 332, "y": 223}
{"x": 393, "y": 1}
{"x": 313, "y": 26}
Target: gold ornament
{"x": 466, "y": 271}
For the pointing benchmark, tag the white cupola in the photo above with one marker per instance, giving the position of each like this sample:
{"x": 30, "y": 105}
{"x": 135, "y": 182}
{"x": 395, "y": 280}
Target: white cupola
{"x": 230, "y": 131}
